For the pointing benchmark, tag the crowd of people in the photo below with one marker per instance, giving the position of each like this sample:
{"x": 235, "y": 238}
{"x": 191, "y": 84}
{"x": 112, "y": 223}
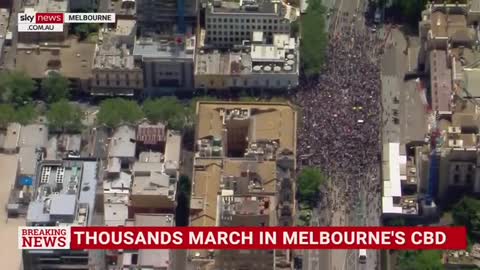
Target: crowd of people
{"x": 341, "y": 114}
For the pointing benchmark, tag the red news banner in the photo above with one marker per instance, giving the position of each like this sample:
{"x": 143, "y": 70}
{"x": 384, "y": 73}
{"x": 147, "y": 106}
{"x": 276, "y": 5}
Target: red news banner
{"x": 242, "y": 238}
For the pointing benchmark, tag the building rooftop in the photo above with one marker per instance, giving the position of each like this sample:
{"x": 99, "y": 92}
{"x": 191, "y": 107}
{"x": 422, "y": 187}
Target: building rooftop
{"x": 116, "y": 192}
{"x": 279, "y": 57}
{"x": 269, "y": 121}
{"x": 218, "y": 171}
{"x": 150, "y": 157}
{"x": 237, "y": 210}
{"x": 151, "y": 134}
{"x": 70, "y": 142}
{"x": 173, "y": 148}
{"x": 48, "y": 5}
{"x": 65, "y": 193}
{"x": 441, "y": 81}
{"x": 12, "y": 136}
{"x": 73, "y": 60}
{"x": 125, "y": 27}
{"x": 122, "y": 7}
{"x": 475, "y": 5}
{"x": 35, "y": 135}
{"x": 113, "y": 52}
{"x": 165, "y": 48}
{"x": 119, "y": 184}
{"x": 115, "y": 214}
{"x": 28, "y": 158}
{"x": 391, "y": 178}
{"x": 155, "y": 258}
{"x": 254, "y": 7}
{"x": 4, "y": 17}
{"x": 122, "y": 143}
{"x": 149, "y": 179}
{"x": 394, "y": 167}
{"x": 246, "y": 6}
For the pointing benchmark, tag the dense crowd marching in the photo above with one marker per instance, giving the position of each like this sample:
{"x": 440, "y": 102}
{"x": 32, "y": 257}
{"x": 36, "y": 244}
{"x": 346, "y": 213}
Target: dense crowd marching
{"x": 341, "y": 117}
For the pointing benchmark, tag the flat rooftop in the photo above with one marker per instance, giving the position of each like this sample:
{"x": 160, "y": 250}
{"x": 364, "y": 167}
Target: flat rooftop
{"x": 277, "y": 58}
{"x": 65, "y": 193}
{"x": 155, "y": 258}
{"x": 122, "y": 143}
{"x": 48, "y": 5}
{"x": 247, "y": 6}
{"x": 475, "y": 5}
{"x": 270, "y": 121}
{"x": 73, "y": 60}
{"x": 164, "y": 48}
{"x": 122, "y": 7}
{"x": 441, "y": 81}
{"x": 215, "y": 174}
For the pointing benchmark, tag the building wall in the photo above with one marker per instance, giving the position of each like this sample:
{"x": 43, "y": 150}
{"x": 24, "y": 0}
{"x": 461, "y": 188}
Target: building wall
{"x": 163, "y": 75}
{"x": 253, "y": 80}
{"x": 36, "y": 37}
{"x": 116, "y": 80}
{"x": 82, "y": 4}
{"x": 57, "y": 259}
{"x": 452, "y": 176}
{"x": 151, "y": 12}
{"x": 229, "y": 29}
{"x": 151, "y": 202}
{"x": 245, "y": 259}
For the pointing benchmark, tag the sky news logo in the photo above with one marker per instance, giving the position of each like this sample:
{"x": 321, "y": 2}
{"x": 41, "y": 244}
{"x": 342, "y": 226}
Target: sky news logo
{"x": 53, "y": 22}
{"x": 44, "y": 237}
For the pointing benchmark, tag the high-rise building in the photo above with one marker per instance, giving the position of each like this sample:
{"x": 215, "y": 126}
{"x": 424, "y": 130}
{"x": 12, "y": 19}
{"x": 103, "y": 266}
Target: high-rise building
{"x": 158, "y": 14}
{"x": 230, "y": 23}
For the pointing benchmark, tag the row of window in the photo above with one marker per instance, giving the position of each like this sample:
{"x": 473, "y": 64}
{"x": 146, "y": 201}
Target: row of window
{"x": 248, "y": 27}
{"x": 222, "y": 39}
{"x": 167, "y": 73}
{"x": 241, "y": 20}
{"x": 226, "y": 33}
{"x": 244, "y": 83}
{"x": 117, "y": 83}
{"x": 117, "y": 76}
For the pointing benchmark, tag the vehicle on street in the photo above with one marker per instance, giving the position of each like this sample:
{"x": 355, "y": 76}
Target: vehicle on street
{"x": 362, "y": 256}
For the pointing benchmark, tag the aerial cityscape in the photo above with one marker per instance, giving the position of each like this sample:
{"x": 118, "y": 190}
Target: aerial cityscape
{"x": 241, "y": 113}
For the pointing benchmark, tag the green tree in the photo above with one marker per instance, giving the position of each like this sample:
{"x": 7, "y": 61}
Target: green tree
{"x": 314, "y": 38}
{"x": 55, "y": 87}
{"x": 168, "y": 110}
{"x": 25, "y": 114}
{"x": 7, "y": 115}
{"x": 309, "y": 182}
{"x": 116, "y": 111}
{"x": 65, "y": 117}
{"x": 424, "y": 259}
{"x": 16, "y": 87}
{"x": 82, "y": 30}
{"x": 467, "y": 213}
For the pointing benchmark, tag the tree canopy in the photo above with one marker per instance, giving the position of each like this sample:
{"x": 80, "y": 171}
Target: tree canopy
{"x": 116, "y": 111}
{"x": 83, "y": 30}
{"x": 55, "y": 87}
{"x": 16, "y": 87}
{"x": 467, "y": 213}
{"x": 7, "y": 115}
{"x": 25, "y": 114}
{"x": 65, "y": 117}
{"x": 168, "y": 110}
{"x": 309, "y": 182}
{"x": 424, "y": 259}
{"x": 314, "y": 38}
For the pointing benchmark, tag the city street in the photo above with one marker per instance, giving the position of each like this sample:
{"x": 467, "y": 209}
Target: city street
{"x": 346, "y": 15}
